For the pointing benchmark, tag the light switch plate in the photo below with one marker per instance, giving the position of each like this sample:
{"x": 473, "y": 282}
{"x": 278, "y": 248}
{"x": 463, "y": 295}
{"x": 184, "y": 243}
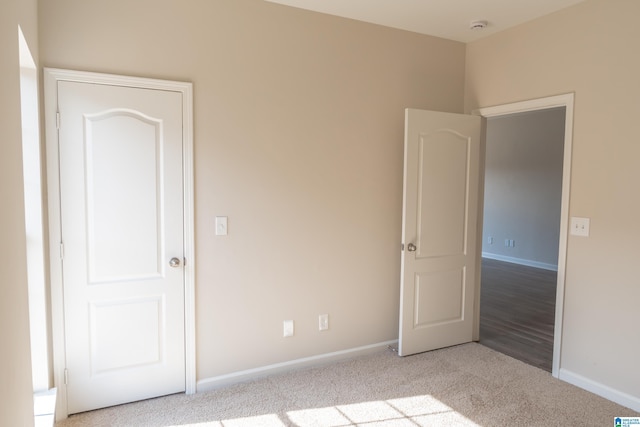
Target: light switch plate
{"x": 323, "y": 322}
{"x": 221, "y": 226}
{"x": 580, "y": 226}
{"x": 287, "y": 328}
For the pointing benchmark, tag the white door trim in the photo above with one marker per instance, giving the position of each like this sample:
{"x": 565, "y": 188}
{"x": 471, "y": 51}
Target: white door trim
{"x": 567, "y": 101}
{"x": 51, "y": 78}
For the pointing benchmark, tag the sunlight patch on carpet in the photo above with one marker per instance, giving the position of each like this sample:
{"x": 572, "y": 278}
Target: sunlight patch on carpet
{"x": 407, "y": 411}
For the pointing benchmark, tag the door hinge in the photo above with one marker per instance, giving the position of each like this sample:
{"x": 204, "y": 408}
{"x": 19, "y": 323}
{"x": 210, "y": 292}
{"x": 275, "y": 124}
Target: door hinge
{"x": 66, "y": 376}
{"x": 402, "y": 246}
{"x": 61, "y": 251}
{"x": 57, "y": 120}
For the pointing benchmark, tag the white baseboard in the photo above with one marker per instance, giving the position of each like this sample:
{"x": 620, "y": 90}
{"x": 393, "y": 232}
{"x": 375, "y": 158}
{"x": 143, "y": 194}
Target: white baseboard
{"x": 321, "y": 359}
{"x": 44, "y": 408}
{"x": 521, "y": 261}
{"x": 621, "y": 398}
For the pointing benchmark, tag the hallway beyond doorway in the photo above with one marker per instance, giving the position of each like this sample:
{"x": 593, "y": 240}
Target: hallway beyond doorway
{"x": 517, "y": 311}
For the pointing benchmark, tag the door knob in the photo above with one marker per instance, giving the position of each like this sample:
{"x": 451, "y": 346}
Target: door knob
{"x": 411, "y": 247}
{"x": 175, "y": 262}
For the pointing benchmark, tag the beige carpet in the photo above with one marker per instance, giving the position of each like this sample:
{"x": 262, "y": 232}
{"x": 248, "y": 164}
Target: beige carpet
{"x": 467, "y": 385}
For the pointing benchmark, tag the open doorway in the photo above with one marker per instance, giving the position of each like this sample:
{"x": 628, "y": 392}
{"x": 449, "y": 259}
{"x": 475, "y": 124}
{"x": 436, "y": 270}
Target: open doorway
{"x": 521, "y": 233}
{"x": 527, "y": 170}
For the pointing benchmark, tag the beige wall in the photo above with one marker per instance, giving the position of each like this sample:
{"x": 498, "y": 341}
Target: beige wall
{"x": 592, "y": 50}
{"x": 298, "y": 139}
{"x": 16, "y": 402}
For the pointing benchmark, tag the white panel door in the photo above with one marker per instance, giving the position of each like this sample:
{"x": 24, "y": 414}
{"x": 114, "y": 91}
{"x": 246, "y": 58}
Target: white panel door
{"x": 121, "y": 197}
{"x": 439, "y": 230}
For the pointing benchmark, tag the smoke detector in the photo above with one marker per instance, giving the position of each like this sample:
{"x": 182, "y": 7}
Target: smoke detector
{"x": 478, "y": 25}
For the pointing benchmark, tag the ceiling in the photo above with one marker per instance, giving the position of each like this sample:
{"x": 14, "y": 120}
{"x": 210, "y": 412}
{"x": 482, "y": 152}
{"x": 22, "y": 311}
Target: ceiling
{"x": 449, "y": 19}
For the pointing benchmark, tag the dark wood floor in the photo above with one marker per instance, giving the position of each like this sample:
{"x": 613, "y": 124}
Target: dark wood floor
{"x": 517, "y": 311}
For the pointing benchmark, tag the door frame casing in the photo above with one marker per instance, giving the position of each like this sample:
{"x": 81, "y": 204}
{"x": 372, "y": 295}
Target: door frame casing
{"x": 51, "y": 78}
{"x": 566, "y": 101}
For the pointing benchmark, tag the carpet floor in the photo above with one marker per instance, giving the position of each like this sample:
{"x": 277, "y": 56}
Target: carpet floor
{"x": 466, "y": 385}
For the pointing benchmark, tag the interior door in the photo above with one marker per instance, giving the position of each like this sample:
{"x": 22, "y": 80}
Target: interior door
{"x": 439, "y": 230}
{"x": 120, "y": 154}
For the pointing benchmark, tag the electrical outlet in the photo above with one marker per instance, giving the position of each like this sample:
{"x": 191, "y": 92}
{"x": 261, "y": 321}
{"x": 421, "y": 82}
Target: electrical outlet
{"x": 490, "y": 240}
{"x": 287, "y": 328}
{"x": 323, "y": 322}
